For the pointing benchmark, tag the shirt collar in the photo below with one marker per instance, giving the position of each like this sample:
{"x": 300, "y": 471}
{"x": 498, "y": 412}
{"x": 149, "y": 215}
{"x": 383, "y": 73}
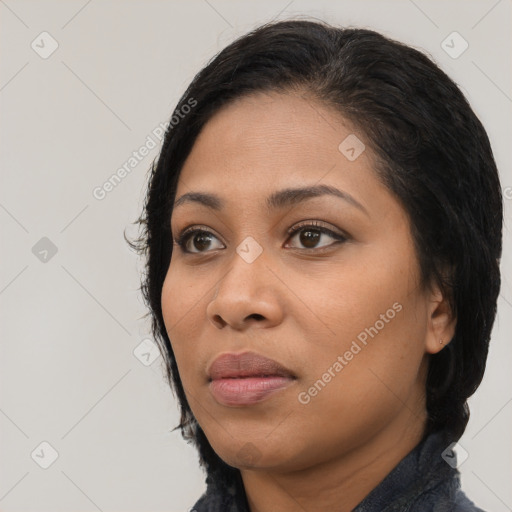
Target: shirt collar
{"x": 420, "y": 471}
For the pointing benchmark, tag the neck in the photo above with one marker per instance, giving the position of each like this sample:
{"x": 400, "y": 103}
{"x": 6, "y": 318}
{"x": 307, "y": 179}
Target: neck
{"x": 340, "y": 483}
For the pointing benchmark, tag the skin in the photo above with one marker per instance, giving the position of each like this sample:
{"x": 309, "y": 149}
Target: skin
{"x": 301, "y": 305}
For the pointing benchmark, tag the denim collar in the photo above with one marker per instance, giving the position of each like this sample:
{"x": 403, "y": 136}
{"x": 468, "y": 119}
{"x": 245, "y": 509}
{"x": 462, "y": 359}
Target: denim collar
{"x": 425, "y": 480}
{"x": 423, "y": 475}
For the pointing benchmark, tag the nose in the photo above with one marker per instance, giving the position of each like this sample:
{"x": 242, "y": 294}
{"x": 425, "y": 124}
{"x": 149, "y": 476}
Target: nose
{"x": 248, "y": 294}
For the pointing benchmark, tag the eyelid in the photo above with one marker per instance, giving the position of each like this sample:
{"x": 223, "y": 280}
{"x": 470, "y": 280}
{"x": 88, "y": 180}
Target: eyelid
{"x": 317, "y": 224}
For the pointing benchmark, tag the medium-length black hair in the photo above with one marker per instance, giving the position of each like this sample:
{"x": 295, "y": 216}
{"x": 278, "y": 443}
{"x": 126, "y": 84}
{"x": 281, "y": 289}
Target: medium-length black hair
{"x": 432, "y": 153}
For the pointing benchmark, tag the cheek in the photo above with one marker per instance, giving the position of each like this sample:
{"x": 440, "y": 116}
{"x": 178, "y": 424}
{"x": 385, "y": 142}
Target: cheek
{"x": 371, "y": 294}
{"x": 185, "y": 292}
{"x": 375, "y": 321}
{"x": 183, "y": 304}
{"x": 359, "y": 388}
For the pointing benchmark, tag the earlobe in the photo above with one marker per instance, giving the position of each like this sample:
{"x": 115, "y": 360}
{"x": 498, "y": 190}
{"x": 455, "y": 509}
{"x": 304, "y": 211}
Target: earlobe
{"x": 441, "y": 324}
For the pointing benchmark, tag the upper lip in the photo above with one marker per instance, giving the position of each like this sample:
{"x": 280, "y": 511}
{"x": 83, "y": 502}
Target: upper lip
{"x": 246, "y": 364}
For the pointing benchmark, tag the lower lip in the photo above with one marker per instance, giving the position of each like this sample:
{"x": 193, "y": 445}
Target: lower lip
{"x": 247, "y": 391}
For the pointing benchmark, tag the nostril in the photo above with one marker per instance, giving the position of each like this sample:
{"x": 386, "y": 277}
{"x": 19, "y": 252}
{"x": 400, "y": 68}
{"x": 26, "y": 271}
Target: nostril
{"x": 218, "y": 319}
{"x": 256, "y": 316}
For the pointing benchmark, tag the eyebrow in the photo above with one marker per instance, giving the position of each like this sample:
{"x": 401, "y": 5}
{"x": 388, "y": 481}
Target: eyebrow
{"x": 277, "y": 200}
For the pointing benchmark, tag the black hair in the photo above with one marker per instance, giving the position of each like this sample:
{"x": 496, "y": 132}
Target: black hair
{"x": 432, "y": 153}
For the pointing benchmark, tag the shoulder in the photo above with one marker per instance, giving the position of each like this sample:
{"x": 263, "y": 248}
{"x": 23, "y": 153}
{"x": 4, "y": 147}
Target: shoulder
{"x": 463, "y": 504}
{"x": 222, "y": 498}
{"x": 446, "y": 496}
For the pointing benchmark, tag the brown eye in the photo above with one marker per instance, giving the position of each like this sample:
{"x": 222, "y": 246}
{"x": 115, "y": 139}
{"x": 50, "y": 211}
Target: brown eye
{"x": 196, "y": 241}
{"x": 310, "y": 235}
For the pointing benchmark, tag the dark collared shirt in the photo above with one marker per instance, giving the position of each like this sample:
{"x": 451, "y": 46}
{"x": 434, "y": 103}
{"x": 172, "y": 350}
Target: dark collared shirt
{"x": 423, "y": 481}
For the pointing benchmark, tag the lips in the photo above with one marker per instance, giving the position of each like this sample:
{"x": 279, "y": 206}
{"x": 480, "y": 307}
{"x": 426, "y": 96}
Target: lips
{"x": 246, "y": 379}
{"x": 247, "y": 364}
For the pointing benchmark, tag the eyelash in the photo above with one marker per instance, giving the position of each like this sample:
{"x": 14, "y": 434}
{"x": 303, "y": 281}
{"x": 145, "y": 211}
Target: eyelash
{"x": 187, "y": 233}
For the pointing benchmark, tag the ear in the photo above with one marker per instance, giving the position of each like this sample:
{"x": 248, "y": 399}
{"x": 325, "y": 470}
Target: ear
{"x": 441, "y": 322}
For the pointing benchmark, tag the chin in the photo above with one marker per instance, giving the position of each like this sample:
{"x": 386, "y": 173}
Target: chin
{"x": 259, "y": 454}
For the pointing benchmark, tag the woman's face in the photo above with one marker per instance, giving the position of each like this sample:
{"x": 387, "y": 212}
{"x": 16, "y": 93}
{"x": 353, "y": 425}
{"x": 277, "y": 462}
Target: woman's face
{"x": 337, "y": 303}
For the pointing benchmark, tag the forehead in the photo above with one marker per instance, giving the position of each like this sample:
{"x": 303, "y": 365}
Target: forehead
{"x": 269, "y": 141}
{"x": 270, "y": 129}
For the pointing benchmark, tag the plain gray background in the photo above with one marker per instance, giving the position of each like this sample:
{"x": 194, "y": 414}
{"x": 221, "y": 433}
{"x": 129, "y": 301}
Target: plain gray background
{"x": 75, "y": 369}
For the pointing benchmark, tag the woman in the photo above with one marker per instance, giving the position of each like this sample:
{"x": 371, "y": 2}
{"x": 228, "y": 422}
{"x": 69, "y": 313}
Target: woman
{"x": 323, "y": 236}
